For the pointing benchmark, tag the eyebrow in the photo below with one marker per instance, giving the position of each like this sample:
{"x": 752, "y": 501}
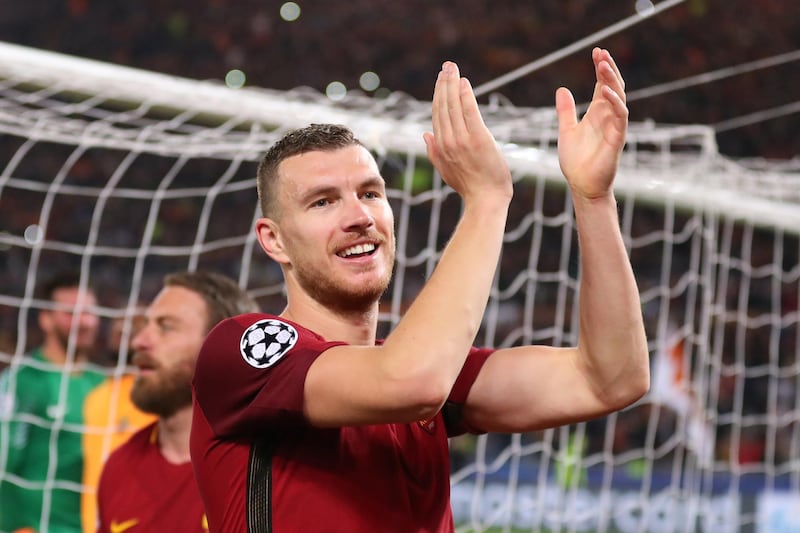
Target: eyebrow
{"x": 313, "y": 192}
{"x": 325, "y": 190}
{"x": 166, "y": 319}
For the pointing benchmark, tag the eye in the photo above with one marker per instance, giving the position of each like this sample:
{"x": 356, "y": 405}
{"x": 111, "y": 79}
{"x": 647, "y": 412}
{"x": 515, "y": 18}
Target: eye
{"x": 322, "y": 202}
{"x": 165, "y": 326}
{"x": 371, "y": 195}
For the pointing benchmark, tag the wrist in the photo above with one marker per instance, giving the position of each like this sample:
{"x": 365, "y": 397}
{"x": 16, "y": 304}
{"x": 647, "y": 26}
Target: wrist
{"x": 488, "y": 202}
{"x": 602, "y": 199}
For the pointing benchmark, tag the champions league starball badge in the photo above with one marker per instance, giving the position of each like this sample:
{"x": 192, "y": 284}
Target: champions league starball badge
{"x": 265, "y": 342}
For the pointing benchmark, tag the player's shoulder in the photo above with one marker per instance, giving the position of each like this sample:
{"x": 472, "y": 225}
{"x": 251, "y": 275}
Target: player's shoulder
{"x": 247, "y": 321}
{"x": 260, "y": 340}
{"x": 29, "y": 367}
{"x": 250, "y": 327}
{"x": 25, "y": 385}
{"x": 239, "y": 323}
{"x": 102, "y": 395}
{"x": 252, "y": 331}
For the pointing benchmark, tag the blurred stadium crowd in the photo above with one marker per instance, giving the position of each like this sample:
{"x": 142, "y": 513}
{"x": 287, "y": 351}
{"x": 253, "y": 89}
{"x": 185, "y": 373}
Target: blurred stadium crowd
{"x": 405, "y": 42}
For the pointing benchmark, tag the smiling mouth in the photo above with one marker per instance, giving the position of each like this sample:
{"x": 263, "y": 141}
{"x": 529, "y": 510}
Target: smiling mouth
{"x": 358, "y": 250}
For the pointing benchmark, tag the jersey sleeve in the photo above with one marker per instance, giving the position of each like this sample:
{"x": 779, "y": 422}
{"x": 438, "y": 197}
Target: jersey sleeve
{"x": 452, "y": 411}
{"x": 251, "y": 372}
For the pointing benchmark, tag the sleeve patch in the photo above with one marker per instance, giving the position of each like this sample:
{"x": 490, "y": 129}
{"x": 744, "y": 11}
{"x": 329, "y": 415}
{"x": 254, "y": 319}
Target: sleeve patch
{"x": 265, "y": 342}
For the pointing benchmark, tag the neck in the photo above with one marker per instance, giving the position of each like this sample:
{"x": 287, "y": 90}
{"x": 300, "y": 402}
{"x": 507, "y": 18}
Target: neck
{"x": 173, "y": 436}
{"x": 355, "y": 327}
{"x": 56, "y": 353}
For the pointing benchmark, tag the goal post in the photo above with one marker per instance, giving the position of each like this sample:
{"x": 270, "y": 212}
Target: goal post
{"x": 127, "y": 175}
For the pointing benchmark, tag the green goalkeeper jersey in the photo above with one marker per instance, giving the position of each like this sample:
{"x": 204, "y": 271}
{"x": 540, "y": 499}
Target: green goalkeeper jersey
{"x": 41, "y": 461}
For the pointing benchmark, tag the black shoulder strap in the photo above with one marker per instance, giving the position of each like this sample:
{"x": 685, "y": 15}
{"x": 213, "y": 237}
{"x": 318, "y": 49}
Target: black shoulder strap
{"x": 259, "y": 487}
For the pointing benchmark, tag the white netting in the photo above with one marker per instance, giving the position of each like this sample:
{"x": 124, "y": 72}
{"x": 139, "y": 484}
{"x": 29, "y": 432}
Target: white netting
{"x": 128, "y": 175}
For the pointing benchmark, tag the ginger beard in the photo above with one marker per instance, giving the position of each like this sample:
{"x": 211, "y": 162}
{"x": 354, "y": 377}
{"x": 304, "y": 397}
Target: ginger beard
{"x": 164, "y": 389}
{"x": 342, "y": 293}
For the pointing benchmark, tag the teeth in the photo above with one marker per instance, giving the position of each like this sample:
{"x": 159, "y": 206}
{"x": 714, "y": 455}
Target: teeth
{"x": 358, "y": 249}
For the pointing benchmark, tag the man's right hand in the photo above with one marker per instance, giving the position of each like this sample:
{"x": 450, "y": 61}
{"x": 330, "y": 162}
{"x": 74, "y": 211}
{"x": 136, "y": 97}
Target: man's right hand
{"x": 461, "y": 147}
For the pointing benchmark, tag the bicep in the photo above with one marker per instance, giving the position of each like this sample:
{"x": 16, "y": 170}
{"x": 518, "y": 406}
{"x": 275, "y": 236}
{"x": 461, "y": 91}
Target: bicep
{"x": 349, "y": 385}
{"x": 530, "y": 388}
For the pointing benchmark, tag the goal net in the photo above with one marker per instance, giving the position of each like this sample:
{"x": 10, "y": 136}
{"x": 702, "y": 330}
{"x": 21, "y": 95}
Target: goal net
{"x": 127, "y": 175}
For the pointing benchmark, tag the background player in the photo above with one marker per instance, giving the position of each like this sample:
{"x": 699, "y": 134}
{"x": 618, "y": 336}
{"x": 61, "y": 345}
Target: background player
{"x": 148, "y": 481}
{"x": 34, "y": 408}
{"x": 110, "y": 418}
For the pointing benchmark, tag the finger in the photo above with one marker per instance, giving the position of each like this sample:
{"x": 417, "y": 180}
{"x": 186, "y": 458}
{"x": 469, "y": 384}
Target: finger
{"x": 455, "y": 111}
{"x": 430, "y": 145}
{"x": 565, "y": 110}
{"x": 439, "y": 101}
{"x": 615, "y": 129}
{"x": 618, "y": 105}
{"x": 597, "y": 57}
{"x": 608, "y": 73}
{"x": 471, "y": 111}
{"x": 610, "y": 60}
{"x": 608, "y": 78}
{"x": 444, "y": 106}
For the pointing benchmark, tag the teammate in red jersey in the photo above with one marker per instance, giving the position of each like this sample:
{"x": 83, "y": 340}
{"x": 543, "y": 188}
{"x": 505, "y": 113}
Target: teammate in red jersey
{"x": 148, "y": 483}
{"x": 303, "y": 422}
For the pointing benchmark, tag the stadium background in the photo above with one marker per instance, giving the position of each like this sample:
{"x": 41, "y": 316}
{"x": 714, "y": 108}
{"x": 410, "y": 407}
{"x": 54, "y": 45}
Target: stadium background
{"x": 404, "y": 43}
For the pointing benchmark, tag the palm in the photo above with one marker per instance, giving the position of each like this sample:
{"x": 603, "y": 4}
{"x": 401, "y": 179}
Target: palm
{"x": 589, "y": 149}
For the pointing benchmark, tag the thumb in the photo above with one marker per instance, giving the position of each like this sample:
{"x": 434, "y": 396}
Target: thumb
{"x": 430, "y": 144}
{"x": 565, "y": 109}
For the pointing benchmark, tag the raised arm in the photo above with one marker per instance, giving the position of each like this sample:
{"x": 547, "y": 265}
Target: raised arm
{"x": 527, "y": 388}
{"x": 410, "y": 376}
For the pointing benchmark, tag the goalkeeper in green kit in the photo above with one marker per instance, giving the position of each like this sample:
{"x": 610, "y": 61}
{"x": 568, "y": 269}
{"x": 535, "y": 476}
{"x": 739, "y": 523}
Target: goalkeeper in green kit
{"x": 41, "y": 410}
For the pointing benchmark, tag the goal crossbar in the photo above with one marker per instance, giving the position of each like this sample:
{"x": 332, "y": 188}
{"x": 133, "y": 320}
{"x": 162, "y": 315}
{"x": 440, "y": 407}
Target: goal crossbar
{"x": 763, "y": 194}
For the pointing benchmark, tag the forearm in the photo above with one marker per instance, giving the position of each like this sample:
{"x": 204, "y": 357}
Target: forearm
{"x": 612, "y": 343}
{"x": 438, "y": 329}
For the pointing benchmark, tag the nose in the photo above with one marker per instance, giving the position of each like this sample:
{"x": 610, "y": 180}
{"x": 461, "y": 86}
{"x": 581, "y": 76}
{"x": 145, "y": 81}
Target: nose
{"x": 141, "y": 338}
{"x": 357, "y": 215}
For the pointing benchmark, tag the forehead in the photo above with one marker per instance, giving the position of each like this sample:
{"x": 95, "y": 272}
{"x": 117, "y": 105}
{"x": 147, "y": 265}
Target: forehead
{"x": 73, "y": 296}
{"x": 327, "y": 166}
{"x": 178, "y": 303}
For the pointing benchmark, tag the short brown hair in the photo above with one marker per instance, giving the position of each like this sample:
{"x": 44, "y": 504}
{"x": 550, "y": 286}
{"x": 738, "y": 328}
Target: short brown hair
{"x": 67, "y": 279}
{"x": 322, "y": 137}
{"x": 223, "y": 296}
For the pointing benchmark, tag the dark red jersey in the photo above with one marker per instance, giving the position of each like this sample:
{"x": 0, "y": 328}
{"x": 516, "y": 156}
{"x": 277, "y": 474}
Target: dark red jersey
{"x": 261, "y": 467}
{"x": 140, "y": 490}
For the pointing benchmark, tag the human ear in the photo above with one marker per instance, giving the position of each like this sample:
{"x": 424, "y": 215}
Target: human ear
{"x": 269, "y": 237}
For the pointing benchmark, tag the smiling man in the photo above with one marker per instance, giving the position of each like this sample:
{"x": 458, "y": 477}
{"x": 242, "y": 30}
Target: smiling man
{"x": 147, "y": 484}
{"x": 305, "y": 421}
